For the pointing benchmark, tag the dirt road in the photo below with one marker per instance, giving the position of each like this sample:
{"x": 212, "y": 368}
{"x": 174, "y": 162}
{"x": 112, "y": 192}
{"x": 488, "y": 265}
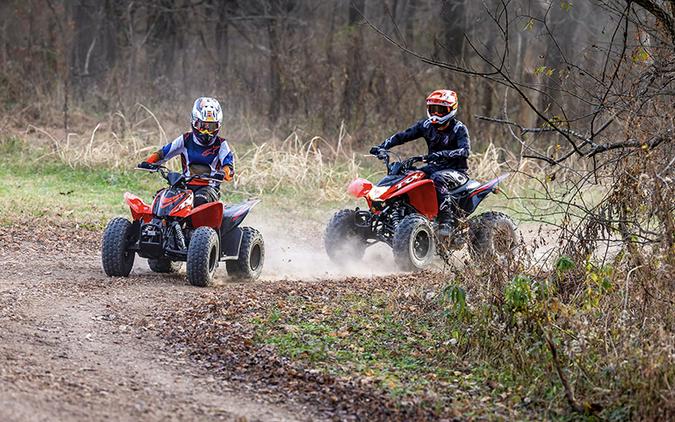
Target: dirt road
{"x": 76, "y": 345}
{"x": 68, "y": 349}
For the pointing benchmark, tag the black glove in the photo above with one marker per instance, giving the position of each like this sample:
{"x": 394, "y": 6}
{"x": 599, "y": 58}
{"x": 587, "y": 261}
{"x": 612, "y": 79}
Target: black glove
{"x": 434, "y": 156}
{"x": 147, "y": 166}
{"x": 376, "y": 150}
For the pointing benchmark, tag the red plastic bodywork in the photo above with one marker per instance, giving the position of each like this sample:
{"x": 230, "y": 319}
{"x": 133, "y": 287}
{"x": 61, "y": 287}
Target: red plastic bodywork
{"x": 184, "y": 208}
{"x": 421, "y": 195}
{"x": 209, "y": 215}
{"x": 359, "y": 187}
{"x": 398, "y": 186}
{"x": 139, "y": 209}
{"x": 420, "y": 191}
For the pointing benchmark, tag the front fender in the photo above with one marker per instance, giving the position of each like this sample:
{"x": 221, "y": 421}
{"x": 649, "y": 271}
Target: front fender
{"x": 207, "y": 215}
{"x": 359, "y": 187}
{"x": 139, "y": 209}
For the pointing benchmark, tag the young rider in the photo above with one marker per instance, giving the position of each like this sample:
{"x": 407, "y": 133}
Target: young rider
{"x": 201, "y": 151}
{"x": 449, "y": 147}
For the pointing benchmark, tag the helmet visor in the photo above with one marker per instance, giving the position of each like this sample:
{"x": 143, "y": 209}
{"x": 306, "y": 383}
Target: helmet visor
{"x": 209, "y": 128}
{"x": 438, "y": 110}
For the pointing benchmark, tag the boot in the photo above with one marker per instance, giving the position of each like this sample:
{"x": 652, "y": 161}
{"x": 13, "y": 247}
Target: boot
{"x": 445, "y": 223}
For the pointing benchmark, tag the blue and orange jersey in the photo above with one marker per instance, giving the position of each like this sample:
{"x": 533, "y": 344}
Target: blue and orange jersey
{"x": 215, "y": 159}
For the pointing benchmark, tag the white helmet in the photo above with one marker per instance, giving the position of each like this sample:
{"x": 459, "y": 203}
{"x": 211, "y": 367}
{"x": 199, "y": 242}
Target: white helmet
{"x": 441, "y": 106}
{"x": 207, "y": 116}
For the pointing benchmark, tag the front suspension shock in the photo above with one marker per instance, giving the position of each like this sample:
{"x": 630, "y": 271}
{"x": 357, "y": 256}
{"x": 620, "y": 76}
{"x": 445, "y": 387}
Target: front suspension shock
{"x": 178, "y": 235}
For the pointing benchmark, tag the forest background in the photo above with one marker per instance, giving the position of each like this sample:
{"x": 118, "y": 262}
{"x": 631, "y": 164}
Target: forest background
{"x": 281, "y": 65}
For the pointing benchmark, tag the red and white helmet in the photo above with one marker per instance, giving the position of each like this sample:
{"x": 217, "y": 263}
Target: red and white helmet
{"x": 441, "y": 106}
{"x": 207, "y": 117}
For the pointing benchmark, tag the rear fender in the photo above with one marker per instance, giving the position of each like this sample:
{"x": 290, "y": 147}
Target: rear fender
{"x": 488, "y": 187}
{"x": 139, "y": 209}
{"x": 472, "y": 201}
{"x": 207, "y": 215}
{"x": 233, "y": 215}
{"x": 422, "y": 196}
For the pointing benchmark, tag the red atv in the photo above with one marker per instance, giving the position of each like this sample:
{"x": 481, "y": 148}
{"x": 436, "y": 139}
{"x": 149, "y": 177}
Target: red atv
{"x": 171, "y": 231}
{"x": 402, "y": 210}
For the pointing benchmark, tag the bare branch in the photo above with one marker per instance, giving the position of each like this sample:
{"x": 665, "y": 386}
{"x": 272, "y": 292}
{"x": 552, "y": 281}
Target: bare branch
{"x": 660, "y": 14}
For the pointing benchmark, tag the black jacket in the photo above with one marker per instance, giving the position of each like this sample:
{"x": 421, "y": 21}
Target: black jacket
{"x": 452, "y": 143}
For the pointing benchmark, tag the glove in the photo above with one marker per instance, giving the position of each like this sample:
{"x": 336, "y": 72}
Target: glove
{"x": 435, "y": 156}
{"x": 376, "y": 150}
{"x": 228, "y": 173}
{"x": 147, "y": 166}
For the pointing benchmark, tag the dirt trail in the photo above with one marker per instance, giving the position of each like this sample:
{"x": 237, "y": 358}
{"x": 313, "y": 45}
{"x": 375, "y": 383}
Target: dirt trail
{"x": 69, "y": 352}
{"x": 73, "y": 343}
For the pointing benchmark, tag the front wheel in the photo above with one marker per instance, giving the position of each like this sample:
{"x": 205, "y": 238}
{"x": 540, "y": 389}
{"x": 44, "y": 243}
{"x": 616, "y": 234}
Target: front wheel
{"x": 343, "y": 241}
{"x": 115, "y": 254}
{"x": 414, "y": 244}
{"x": 492, "y": 237}
{"x": 249, "y": 264}
{"x": 202, "y": 257}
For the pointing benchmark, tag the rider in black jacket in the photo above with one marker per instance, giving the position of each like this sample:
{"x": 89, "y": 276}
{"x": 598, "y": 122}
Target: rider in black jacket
{"x": 449, "y": 147}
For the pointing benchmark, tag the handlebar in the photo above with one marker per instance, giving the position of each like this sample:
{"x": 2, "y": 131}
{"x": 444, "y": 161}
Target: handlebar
{"x": 165, "y": 175}
{"x": 400, "y": 164}
{"x": 384, "y": 155}
{"x": 204, "y": 177}
{"x": 156, "y": 169}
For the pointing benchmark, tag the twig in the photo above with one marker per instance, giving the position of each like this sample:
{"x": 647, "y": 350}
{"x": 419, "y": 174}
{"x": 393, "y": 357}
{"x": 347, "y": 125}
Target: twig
{"x": 569, "y": 391}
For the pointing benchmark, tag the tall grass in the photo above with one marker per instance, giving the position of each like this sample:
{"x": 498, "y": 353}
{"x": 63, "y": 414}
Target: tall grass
{"x": 298, "y": 163}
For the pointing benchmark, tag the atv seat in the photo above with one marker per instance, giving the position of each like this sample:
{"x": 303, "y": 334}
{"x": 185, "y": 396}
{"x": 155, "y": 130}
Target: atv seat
{"x": 465, "y": 188}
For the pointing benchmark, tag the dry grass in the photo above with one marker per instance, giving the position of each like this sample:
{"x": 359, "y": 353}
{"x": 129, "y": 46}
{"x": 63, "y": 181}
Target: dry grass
{"x": 296, "y": 164}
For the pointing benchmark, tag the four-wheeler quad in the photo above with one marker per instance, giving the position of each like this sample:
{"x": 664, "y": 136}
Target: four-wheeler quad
{"x": 402, "y": 211}
{"x": 171, "y": 231}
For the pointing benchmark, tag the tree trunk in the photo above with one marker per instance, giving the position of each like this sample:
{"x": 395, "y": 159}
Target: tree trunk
{"x": 274, "y": 72}
{"x": 453, "y": 16}
{"x": 351, "y": 97}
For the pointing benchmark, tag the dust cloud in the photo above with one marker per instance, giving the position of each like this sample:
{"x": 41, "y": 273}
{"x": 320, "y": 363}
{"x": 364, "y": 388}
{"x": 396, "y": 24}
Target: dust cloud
{"x": 295, "y": 252}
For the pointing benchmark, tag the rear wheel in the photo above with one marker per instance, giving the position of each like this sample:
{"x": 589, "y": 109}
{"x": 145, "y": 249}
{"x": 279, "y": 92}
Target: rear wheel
{"x": 251, "y": 258}
{"x": 413, "y": 244}
{"x": 202, "y": 257}
{"x": 115, "y": 254}
{"x": 343, "y": 241}
{"x": 164, "y": 265}
{"x": 492, "y": 237}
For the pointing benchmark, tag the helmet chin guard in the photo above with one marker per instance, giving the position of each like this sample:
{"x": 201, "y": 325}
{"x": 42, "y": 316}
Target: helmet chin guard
{"x": 440, "y": 121}
{"x": 202, "y": 138}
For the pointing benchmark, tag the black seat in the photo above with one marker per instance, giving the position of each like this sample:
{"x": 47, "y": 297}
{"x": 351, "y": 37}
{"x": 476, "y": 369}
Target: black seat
{"x": 466, "y": 187}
